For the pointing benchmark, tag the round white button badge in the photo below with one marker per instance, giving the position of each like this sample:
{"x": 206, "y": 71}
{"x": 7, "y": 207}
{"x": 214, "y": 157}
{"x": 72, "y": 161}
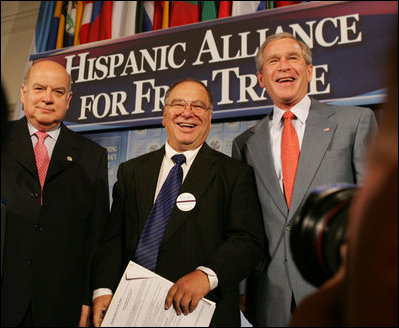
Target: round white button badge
{"x": 186, "y": 202}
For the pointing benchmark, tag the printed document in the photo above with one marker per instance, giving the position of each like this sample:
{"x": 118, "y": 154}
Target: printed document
{"x": 139, "y": 301}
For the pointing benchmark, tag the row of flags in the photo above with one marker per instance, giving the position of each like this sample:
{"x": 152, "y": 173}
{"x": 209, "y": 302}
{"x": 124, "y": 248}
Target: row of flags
{"x": 70, "y": 23}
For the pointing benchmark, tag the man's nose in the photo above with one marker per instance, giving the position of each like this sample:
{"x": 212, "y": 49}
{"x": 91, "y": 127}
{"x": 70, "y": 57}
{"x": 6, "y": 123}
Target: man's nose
{"x": 283, "y": 64}
{"x": 48, "y": 96}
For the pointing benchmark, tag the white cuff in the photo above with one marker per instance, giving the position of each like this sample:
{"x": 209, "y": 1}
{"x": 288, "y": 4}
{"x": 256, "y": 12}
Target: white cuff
{"x": 212, "y": 277}
{"x": 101, "y": 291}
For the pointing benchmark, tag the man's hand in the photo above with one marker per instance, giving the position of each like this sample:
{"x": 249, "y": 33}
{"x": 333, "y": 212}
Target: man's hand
{"x": 243, "y": 301}
{"x": 100, "y": 305}
{"x": 85, "y": 316}
{"x": 187, "y": 292}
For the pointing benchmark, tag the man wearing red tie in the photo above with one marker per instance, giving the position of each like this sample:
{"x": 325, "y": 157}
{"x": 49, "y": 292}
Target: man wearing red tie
{"x": 302, "y": 144}
{"x": 55, "y": 184}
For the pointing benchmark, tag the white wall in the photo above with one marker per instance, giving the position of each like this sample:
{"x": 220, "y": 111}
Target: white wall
{"x": 18, "y": 20}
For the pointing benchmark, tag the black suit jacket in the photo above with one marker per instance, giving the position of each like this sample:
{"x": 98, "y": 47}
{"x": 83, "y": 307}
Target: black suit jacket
{"x": 222, "y": 232}
{"x": 49, "y": 249}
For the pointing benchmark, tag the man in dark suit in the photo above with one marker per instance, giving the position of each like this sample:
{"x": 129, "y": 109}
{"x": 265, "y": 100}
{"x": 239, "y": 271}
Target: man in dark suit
{"x": 329, "y": 143}
{"x": 206, "y": 250}
{"x": 55, "y": 220}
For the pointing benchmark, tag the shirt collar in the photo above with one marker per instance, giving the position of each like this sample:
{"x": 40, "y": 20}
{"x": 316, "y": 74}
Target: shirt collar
{"x": 53, "y": 133}
{"x": 301, "y": 111}
{"x": 190, "y": 154}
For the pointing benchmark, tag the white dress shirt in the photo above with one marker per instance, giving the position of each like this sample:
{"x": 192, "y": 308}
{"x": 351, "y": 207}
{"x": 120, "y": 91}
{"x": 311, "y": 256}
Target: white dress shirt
{"x": 50, "y": 141}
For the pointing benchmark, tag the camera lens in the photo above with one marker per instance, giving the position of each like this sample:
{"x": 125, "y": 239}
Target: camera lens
{"x": 318, "y": 231}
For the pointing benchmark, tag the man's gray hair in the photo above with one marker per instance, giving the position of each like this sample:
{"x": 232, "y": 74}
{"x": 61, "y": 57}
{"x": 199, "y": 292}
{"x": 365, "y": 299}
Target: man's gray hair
{"x": 306, "y": 52}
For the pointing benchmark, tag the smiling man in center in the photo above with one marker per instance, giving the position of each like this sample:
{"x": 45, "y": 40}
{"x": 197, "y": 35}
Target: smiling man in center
{"x": 205, "y": 249}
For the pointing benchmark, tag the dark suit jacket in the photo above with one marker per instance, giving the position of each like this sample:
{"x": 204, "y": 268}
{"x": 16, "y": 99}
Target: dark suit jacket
{"x": 222, "y": 232}
{"x": 49, "y": 248}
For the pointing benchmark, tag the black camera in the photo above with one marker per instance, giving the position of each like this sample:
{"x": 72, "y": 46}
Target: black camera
{"x": 318, "y": 231}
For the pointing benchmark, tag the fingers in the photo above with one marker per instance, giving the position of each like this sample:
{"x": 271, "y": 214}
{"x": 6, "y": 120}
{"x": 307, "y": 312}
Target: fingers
{"x": 100, "y": 306}
{"x": 187, "y": 292}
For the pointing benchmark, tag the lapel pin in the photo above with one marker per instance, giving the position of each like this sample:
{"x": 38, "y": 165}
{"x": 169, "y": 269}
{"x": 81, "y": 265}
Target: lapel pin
{"x": 326, "y": 130}
{"x": 69, "y": 158}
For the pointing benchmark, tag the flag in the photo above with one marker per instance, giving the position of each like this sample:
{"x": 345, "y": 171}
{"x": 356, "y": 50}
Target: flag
{"x": 55, "y": 22}
{"x": 86, "y": 19}
{"x": 43, "y": 24}
{"x": 152, "y": 15}
{"x": 165, "y": 14}
{"x": 124, "y": 18}
{"x": 139, "y": 17}
{"x": 61, "y": 26}
{"x": 94, "y": 30}
{"x": 70, "y": 21}
{"x": 224, "y": 9}
{"x": 78, "y": 22}
{"x": 247, "y": 7}
{"x": 208, "y": 10}
{"x": 105, "y": 31}
{"x": 184, "y": 12}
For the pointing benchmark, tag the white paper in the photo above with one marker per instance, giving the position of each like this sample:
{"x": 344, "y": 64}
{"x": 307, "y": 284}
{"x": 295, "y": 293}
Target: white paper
{"x": 139, "y": 301}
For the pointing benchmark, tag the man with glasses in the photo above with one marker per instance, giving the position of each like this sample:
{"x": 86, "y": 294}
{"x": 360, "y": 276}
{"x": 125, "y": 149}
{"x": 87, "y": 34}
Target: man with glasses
{"x": 211, "y": 242}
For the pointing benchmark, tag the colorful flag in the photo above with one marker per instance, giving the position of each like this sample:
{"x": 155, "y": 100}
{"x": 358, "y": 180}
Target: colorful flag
{"x": 224, "y": 9}
{"x": 43, "y": 24}
{"x": 94, "y": 30}
{"x": 152, "y": 15}
{"x": 61, "y": 26}
{"x": 124, "y": 18}
{"x": 55, "y": 22}
{"x": 247, "y": 7}
{"x": 105, "y": 31}
{"x": 70, "y": 22}
{"x": 78, "y": 22}
{"x": 86, "y": 19}
{"x": 184, "y": 12}
{"x": 208, "y": 10}
{"x": 165, "y": 14}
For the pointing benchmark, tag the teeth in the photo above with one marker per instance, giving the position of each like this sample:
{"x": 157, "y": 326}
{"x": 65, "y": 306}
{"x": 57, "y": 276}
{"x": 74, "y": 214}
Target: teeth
{"x": 286, "y": 79}
{"x": 186, "y": 125}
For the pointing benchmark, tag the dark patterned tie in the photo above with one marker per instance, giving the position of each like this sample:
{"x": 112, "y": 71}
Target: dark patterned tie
{"x": 147, "y": 249}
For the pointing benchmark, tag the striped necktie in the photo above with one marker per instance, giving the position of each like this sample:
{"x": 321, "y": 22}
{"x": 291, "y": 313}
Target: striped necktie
{"x": 147, "y": 249}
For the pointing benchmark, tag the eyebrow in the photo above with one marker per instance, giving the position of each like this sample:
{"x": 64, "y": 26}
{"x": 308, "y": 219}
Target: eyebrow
{"x": 43, "y": 86}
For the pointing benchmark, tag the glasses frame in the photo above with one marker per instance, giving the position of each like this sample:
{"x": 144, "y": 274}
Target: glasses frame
{"x": 198, "y": 112}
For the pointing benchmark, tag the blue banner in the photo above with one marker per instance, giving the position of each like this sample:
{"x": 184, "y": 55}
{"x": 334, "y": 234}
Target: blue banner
{"x": 122, "y": 83}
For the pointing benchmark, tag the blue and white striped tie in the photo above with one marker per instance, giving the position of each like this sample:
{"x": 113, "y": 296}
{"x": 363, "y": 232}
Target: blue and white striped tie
{"x": 147, "y": 249}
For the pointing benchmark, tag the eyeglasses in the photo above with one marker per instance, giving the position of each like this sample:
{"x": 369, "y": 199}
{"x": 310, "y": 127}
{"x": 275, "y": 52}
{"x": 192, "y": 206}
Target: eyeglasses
{"x": 197, "y": 107}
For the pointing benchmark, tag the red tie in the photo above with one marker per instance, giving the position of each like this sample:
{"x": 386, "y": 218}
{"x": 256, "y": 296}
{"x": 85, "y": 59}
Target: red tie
{"x": 289, "y": 155}
{"x": 42, "y": 159}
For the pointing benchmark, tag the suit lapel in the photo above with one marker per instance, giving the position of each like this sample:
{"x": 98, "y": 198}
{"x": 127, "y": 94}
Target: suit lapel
{"x": 201, "y": 173}
{"x": 320, "y": 128}
{"x": 147, "y": 178}
{"x": 21, "y": 148}
{"x": 65, "y": 153}
{"x": 261, "y": 159}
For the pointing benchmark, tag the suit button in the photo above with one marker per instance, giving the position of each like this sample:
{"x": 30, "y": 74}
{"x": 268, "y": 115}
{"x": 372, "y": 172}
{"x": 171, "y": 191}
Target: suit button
{"x": 29, "y": 262}
{"x": 38, "y": 227}
{"x": 34, "y": 195}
